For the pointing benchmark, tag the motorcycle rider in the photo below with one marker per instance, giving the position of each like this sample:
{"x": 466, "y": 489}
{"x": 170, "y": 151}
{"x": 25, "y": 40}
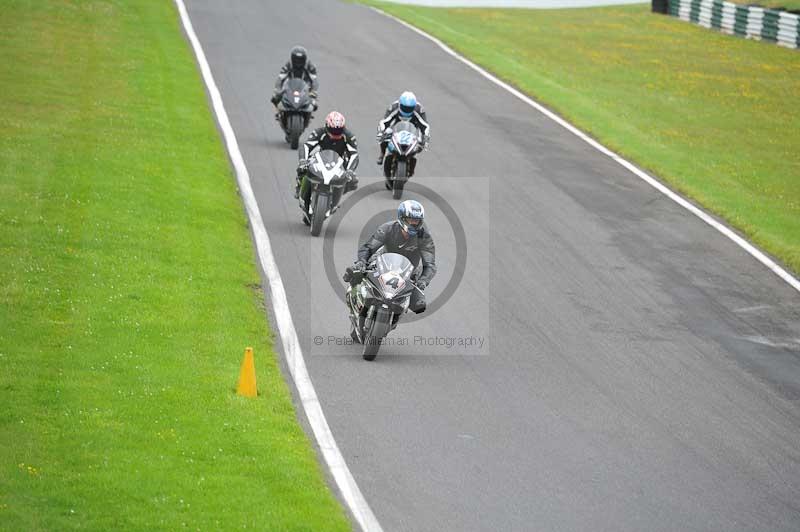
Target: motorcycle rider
{"x": 298, "y": 66}
{"x": 333, "y": 136}
{"x": 406, "y": 107}
{"x": 407, "y": 236}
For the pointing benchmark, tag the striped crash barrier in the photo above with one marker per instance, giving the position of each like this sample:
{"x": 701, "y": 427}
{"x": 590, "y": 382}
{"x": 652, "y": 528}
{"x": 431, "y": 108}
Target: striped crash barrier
{"x": 746, "y": 21}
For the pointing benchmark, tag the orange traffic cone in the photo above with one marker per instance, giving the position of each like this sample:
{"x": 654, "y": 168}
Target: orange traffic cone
{"x": 247, "y": 376}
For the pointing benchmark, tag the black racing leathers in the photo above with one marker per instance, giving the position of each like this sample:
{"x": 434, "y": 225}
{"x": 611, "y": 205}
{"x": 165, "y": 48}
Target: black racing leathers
{"x": 309, "y": 75}
{"x": 417, "y": 249}
{"x": 346, "y": 147}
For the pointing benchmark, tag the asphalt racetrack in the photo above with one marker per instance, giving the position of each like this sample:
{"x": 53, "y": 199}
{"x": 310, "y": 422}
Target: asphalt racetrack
{"x": 604, "y": 359}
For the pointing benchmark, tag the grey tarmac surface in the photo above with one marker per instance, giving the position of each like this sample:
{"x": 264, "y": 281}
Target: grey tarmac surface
{"x": 639, "y": 371}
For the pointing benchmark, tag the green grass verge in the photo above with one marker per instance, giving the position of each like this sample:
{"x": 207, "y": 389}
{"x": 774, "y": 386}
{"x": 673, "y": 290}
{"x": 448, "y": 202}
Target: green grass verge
{"x": 128, "y": 291}
{"x": 787, "y": 4}
{"x": 714, "y": 116}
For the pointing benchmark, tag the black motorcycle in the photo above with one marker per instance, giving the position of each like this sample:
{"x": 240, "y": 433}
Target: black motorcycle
{"x": 377, "y": 298}
{"x": 294, "y": 109}
{"x": 321, "y": 188}
{"x": 403, "y": 144}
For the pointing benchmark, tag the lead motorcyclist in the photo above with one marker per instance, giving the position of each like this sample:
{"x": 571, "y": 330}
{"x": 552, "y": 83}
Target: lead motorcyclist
{"x": 409, "y": 237}
{"x": 298, "y": 66}
{"x": 333, "y": 136}
{"x": 406, "y": 107}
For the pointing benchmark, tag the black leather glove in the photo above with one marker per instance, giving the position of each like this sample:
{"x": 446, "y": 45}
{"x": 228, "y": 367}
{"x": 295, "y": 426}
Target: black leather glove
{"x": 356, "y": 267}
{"x": 352, "y": 181}
{"x": 302, "y": 166}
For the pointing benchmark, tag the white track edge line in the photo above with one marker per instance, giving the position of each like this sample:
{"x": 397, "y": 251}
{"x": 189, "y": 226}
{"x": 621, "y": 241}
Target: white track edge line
{"x": 652, "y": 181}
{"x": 294, "y": 356}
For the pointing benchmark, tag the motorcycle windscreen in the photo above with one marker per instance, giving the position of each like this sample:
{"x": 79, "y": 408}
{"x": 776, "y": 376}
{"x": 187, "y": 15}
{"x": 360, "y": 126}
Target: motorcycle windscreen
{"x": 405, "y": 126}
{"x": 404, "y": 135}
{"x": 295, "y": 92}
{"x": 393, "y": 272}
{"x": 328, "y": 167}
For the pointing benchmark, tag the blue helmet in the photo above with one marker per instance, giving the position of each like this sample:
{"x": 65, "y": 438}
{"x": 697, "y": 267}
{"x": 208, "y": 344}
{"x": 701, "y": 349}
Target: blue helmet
{"x": 408, "y": 102}
{"x": 410, "y": 214}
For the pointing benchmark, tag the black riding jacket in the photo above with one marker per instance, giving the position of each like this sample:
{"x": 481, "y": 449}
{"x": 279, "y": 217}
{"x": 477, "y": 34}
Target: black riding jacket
{"x": 309, "y": 74}
{"x": 346, "y": 147}
{"x": 419, "y": 248}
{"x": 392, "y": 116}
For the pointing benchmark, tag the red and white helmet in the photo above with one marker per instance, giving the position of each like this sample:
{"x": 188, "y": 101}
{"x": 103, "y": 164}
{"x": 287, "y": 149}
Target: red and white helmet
{"x": 334, "y": 125}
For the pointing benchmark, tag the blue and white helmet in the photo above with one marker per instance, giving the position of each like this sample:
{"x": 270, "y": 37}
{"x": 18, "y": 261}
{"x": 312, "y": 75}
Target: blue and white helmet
{"x": 408, "y": 102}
{"x": 410, "y": 214}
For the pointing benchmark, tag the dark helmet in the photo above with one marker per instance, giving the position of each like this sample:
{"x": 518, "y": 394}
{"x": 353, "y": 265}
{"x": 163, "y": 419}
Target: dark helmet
{"x": 298, "y": 58}
{"x": 411, "y": 215}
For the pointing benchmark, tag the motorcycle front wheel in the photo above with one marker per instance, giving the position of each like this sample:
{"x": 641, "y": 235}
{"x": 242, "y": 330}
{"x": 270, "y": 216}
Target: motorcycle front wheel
{"x": 294, "y": 128}
{"x": 321, "y": 205}
{"x": 400, "y": 176}
{"x": 371, "y": 346}
{"x": 378, "y": 330}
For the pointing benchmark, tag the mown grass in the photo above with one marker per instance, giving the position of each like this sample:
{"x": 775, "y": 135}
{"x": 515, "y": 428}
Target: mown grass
{"x": 774, "y": 4}
{"x": 128, "y": 291}
{"x": 713, "y": 115}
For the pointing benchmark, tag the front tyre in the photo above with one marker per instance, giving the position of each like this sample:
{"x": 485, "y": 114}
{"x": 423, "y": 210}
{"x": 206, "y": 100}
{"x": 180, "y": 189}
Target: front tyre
{"x": 377, "y": 332}
{"x": 321, "y": 205}
{"x": 294, "y": 127}
{"x": 399, "y": 182}
{"x": 397, "y": 189}
{"x": 371, "y": 346}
